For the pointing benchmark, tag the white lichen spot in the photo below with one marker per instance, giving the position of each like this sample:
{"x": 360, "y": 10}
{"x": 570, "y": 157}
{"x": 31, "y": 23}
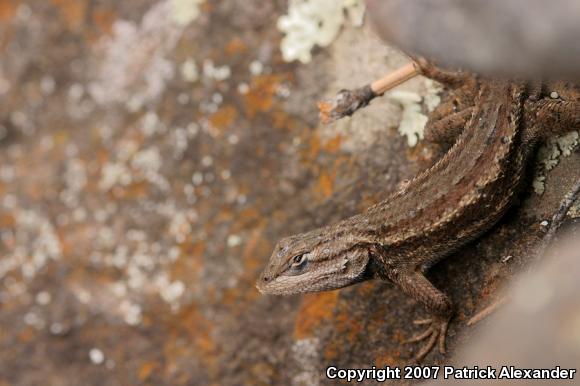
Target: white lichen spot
{"x": 179, "y": 228}
{"x": 233, "y": 139}
{"x": 170, "y": 291}
{"x": 114, "y": 174}
{"x": 574, "y": 211}
{"x": 131, "y": 313}
{"x": 56, "y": 328}
{"x": 207, "y": 160}
{"x": 180, "y": 142}
{"x": 183, "y": 98}
{"x": 412, "y": 119}
{"x": 43, "y": 298}
{"x": 197, "y": 178}
{"x": 315, "y": 22}
{"x": 76, "y": 92}
{"x": 234, "y": 241}
{"x": 75, "y": 180}
{"x": 432, "y": 99}
{"x": 549, "y": 156}
{"x": 243, "y": 88}
{"x": 306, "y": 355}
{"x": 189, "y": 71}
{"x": 150, "y": 124}
{"x": 35, "y": 242}
{"x": 147, "y": 161}
{"x": 185, "y": 11}
{"x": 219, "y": 73}
{"x": 47, "y": 85}
{"x": 256, "y": 67}
{"x": 96, "y": 356}
{"x": 132, "y": 65}
{"x": 34, "y": 320}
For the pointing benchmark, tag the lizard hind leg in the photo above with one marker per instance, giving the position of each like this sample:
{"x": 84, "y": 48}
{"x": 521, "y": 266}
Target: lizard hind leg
{"x": 436, "y": 333}
{"x": 451, "y": 79}
{"x": 416, "y": 285}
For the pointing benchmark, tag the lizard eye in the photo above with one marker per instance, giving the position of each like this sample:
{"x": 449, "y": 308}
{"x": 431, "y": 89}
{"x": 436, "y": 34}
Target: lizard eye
{"x": 298, "y": 260}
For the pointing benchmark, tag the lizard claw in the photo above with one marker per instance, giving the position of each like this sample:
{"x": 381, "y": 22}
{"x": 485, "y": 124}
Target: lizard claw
{"x": 435, "y": 333}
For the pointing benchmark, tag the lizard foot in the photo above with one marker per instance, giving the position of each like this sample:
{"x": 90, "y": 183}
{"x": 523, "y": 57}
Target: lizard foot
{"x": 435, "y": 333}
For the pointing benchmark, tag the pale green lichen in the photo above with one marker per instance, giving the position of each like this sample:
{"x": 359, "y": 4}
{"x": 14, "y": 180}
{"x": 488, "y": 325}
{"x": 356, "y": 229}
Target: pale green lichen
{"x": 432, "y": 98}
{"x": 574, "y": 211}
{"x": 315, "y": 22}
{"x": 185, "y": 11}
{"x": 413, "y": 119}
{"x": 549, "y": 156}
{"x": 189, "y": 71}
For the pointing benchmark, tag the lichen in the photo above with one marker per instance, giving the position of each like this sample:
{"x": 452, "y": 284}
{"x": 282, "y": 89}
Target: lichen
{"x": 412, "y": 119}
{"x": 549, "y": 156}
{"x": 185, "y": 11}
{"x": 315, "y": 22}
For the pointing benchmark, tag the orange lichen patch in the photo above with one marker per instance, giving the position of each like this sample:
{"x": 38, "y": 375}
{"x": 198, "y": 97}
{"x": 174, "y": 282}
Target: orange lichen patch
{"x": 6, "y": 220}
{"x": 347, "y": 326}
{"x": 147, "y": 369}
{"x": 260, "y": 97}
{"x": 326, "y": 184}
{"x": 282, "y": 120}
{"x": 194, "y": 327}
{"x": 26, "y": 335}
{"x": 8, "y": 9}
{"x": 324, "y": 111}
{"x": 250, "y": 249}
{"x": 389, "y": 359}
{"x": 316, "y": 310}
{"x": 333, "y": 145}
{"x": 314, "y": 148}
{"x": 189, "y": 337}
{"x": 195, "y": 249}
{"x": 366, "y": 288}
{"x": 103, "y": 19}
{"x": 72, "y": 11}
{"x": 224, "y": 117}
{"x": 135, "y": 190}
{"x": 247, "y": 216}
{"x": 235, "y": 46}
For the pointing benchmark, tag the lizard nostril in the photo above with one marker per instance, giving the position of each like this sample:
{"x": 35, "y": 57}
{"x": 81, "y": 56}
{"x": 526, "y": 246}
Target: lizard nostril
{"x": 266, "y": 278}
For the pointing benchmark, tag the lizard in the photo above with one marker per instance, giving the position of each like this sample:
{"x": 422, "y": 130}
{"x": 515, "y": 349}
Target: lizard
{"x": 495, "y": 126}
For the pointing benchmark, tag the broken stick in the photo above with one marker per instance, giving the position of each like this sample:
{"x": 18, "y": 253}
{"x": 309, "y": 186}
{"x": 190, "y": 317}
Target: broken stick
{"x": 346, "y": 102}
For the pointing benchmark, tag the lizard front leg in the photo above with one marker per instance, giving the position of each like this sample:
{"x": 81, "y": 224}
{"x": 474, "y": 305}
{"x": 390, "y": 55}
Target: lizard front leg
{"x": 416, "y": 285}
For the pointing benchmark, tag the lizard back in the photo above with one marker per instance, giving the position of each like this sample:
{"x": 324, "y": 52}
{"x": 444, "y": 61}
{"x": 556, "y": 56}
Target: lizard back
{"x": 464, "y": 193}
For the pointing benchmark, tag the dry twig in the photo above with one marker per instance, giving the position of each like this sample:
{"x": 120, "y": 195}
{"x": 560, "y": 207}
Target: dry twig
{"x": 346, "y": 102}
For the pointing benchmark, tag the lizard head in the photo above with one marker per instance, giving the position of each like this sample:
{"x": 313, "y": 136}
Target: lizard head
{"x": 313, "y": 261}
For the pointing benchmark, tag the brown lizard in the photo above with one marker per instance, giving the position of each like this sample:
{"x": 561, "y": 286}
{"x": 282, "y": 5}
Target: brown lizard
{"x": 497, "y": 125}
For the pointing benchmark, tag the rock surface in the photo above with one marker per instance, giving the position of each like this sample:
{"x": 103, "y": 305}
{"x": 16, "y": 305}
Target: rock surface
{"x": 148, "y": 165}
